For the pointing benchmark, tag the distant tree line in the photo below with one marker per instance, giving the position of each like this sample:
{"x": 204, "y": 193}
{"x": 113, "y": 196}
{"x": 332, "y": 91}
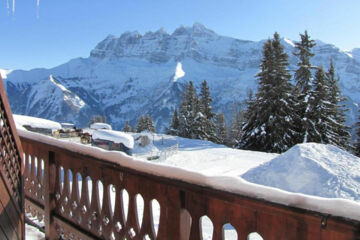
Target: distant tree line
{"x": 281, "y": 114}
{"x": 195, "y": 118}
{"x": 97, "y": 118}
{"x": 145, "y": 123}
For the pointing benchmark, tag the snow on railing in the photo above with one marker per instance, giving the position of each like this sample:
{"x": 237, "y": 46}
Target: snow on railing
{"x": 78, "y": 208}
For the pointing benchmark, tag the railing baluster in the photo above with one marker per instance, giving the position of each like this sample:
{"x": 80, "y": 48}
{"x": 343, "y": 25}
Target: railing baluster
{"x": 74, "y": 199}
{"x": 95, "y": 209}
{"x": 50, "y": 181}
{"x": 106, "y": 212}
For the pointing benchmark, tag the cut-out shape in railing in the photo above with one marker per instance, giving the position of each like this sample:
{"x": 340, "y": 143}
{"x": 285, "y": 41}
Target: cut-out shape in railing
{"x": 206, "y": 228}
{"x": 254, "y": 236}
{"x": 79, "y": 180}
{"x": 42, "y": 168}
{"x": 101, "y": 192}
{"x": 185, "y": 224}
{"x": 229, "y": 232}
{"x": 155, "y": 215}
{"x": 89, "y": 183}
{"x": 118, "y": 227}
{"x": 61, "y": 179}
{"x": 36, "y": 164}
{"x": 112, "y": 191}
{"x": 132, "y": 233}
{"x": 139, "y": 208}
{"x": 30, "y": 159}
{"x": 125, "y": 202}
{"x": 70, "y": 180}
{"x": 112, "y": 236}
{"x": 146, "y": 237}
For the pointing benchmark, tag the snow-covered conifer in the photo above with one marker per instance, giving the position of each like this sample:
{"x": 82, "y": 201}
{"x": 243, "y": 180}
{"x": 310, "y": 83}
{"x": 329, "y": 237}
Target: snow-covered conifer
{"x": 141, "y": 124}
{"x": 271, "y": 116}
{"x": 174, "y": 126}
{"x": 337, "y": 114}
{"x": 205, "y": 101}
{"x": 221, "y": 129}
{"x": 303, "y": 80}
{"x": 357, "y": 144}
{"x": 149, "y": 123}
{"x": 320, "y": 110}
{"x": 235, "y": 131}
{"x": 127, "y": 127}
{"x": 188, "y": 110}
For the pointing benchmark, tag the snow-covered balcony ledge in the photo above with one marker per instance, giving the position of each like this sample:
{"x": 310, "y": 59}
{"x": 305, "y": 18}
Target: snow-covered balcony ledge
{"x": 112, "y": 209}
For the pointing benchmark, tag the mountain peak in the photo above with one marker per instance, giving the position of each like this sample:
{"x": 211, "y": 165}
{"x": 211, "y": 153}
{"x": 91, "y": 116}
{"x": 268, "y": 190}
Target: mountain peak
{"x": 130, "y": 34}
{"x": 162, "y": 31}
{"x": 197, "y": 30}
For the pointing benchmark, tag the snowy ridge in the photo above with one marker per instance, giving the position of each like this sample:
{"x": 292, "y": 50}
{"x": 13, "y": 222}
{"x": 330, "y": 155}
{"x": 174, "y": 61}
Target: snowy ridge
{"x": 70, "y": 98}
{"x": 349, "y": 209}
{"x": 127, "y": 75}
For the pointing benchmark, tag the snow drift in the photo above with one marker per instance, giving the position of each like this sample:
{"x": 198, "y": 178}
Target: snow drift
{"x": 311, "y": 168}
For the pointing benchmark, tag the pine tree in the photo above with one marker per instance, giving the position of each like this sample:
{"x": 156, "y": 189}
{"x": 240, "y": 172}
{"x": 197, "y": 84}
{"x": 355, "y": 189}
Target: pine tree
{"x": 149, "y": 124}
{"x": 174, "y": 126}
{"x": 271, "y": 117}
{"x": 127, "y": 127}
{"x": 206, "y": 123}
{"x": 357, "y": 144}
{"x": 303, "y": 80}
{"x": 189, "y": 107}
{"x": 200, "y": 128}
{"x": 141, "y": 124}
{"x": 205, "y": 101}
{"x": 321, "y": 108}
{"x": 221, "y": 129}
{"x": 337, "y": 115}
{"x": 92, "y": 120}
{"x": 99, "y": 119}
{"x": 235, "y": 132}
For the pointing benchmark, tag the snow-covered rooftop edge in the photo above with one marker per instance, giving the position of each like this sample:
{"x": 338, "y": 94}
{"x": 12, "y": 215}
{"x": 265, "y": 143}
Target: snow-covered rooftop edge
{"x": 334, "y": 206}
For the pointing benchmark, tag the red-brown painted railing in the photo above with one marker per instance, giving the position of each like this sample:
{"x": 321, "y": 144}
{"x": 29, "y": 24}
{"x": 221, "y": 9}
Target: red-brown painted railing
{"x": 75, "y": 214}
{"x": 11, "y": 184}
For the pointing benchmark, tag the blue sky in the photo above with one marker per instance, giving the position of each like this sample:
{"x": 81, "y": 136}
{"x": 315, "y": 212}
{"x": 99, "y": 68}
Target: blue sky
{"x": 67, "y": 29}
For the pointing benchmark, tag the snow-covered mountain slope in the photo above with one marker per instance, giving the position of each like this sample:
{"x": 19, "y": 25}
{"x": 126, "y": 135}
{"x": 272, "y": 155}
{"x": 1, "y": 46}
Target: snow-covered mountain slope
{"x": 134, "y": 74}
{"x": 311, "y": 168}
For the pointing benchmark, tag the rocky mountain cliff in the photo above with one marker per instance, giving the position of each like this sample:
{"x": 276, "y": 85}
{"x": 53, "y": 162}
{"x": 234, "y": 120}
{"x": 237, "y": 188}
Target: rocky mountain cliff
{"x": 137, "y": 74}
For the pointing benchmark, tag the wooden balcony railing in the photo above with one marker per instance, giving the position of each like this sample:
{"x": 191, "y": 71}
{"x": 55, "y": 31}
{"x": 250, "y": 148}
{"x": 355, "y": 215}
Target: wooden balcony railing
{"x": 57, "y": 188}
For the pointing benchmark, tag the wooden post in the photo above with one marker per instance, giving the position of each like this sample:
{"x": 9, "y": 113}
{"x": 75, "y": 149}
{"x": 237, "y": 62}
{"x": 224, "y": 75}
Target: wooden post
{"x": 50, "y": 176}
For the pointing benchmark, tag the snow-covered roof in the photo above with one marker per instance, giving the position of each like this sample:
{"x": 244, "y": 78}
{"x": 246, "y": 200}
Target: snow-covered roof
{"x": 99, "y": 125}
{"x": 349, "y": 209}
{"x": 34, "y": 122}
{"x": 114, "y": 136}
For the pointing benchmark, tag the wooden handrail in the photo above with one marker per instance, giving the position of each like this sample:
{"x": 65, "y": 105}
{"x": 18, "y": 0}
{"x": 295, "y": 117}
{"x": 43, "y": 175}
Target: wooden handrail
{"x": 75, "y": 210}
